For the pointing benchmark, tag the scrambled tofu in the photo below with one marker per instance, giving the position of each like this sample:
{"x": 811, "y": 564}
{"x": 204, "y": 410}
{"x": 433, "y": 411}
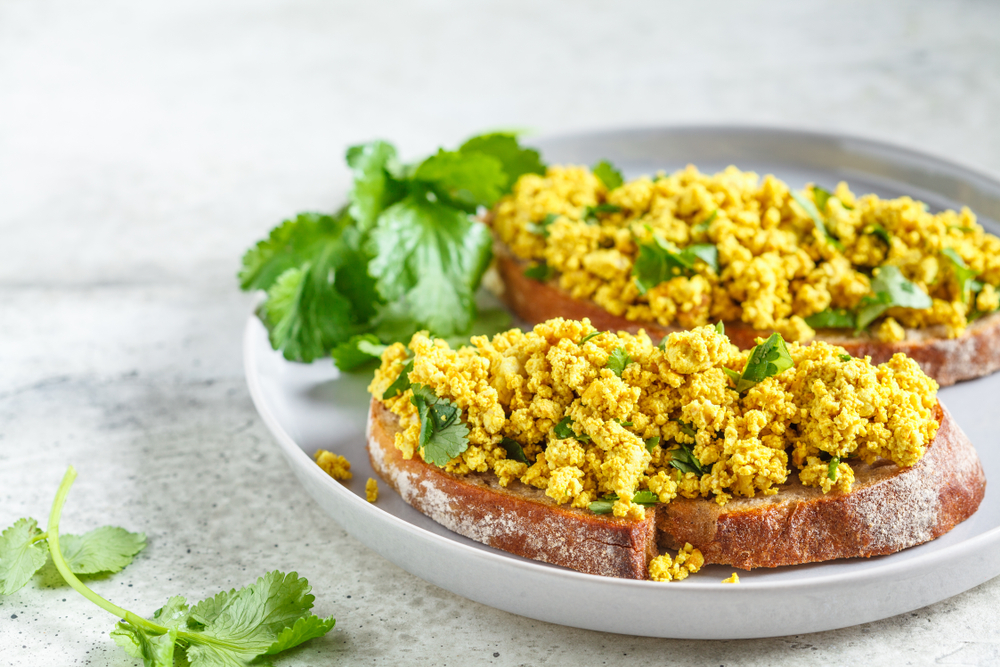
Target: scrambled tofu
{"x": 371, "y": 490}
{"x": 664, "y": 568}
{"x": 776, "y": 268}
{"x": 665, "y": 421}
{"x": 334, "y": 465}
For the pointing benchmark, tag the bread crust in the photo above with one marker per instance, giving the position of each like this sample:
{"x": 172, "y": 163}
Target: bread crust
{"x": 889, "y": 509}
{"x": 948, "y": 360}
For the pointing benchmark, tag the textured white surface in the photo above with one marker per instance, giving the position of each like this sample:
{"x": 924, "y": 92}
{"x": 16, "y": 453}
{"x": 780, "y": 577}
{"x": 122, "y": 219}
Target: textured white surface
{"x": 144, "y": 146}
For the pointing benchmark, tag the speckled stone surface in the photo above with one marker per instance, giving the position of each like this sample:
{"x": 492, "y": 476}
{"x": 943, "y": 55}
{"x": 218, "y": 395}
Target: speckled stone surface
{"x": 144, "y": 146}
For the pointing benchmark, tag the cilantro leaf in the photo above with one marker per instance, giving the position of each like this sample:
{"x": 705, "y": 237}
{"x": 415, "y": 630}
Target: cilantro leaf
{"x": 686, "y": 429}
{"x": 564, "y": 429}
{"x": 618, "y": 360}
{"x": 289, "y": 245}
{"x": 504, "y": 147}
{"x": 541, "y": 272}
{"x": 357, "y": 352}
{"x": 375, "y": 189}
{"x": 817, "y": 219}
{"x": 659, "y": 262}
{"x": 832, "y": 319}
{"x": 608, "y": 174}
{"x": 720, "y": 328}
{"x": 443, "y": 435}
{"x": 592, "y": 334}
{"x": 21, "y": 555}
{"x": 154, "y": 650}
{"x": 821, "y": 197}
{"x": 105, "y": 549}
{"x": 879, "y": 231}
{"x": 766, "y": 359}
{"x": 702, "y": 227}
{"x": 433, "y": 257}
{"x": 645, "y": 498}
{"x": 964, "y": 275}
{"x": 890, "y": 289}
{"x": 542, "y": 228}
{"x": 514, "y": 450}
{"x": 831, "y": 470}
{"x": 683, "y": 459}
{"x": 844, "y": 357}
{"x": 607, "y": 503}
{"x": 651, "y": 443}
{"x": 400, "y": 384}
{"x": 304, "y": 629}
{"x": 472, "y": 178}
{"x": 591, "y": 213}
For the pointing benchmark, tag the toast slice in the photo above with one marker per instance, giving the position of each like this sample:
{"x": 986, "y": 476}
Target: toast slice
{"x": 948, "y": 360}
{"x": 888, "y": 509}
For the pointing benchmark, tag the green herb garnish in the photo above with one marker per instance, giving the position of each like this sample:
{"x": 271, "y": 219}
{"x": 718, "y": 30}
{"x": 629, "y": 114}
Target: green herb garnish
{"x": 231, "y": 629}
{"x": 592, "y": 334}
{"x": 400, "y": 384}
{"x": 702, "y": 227}
{"x": 514, "y": 450}
{"x": 831, "y": 470}
{"x": 651, "y": 443}
{"x": 357, "y": 352}
{"x": 832, "y": 319}
{"x": 607, "y": 503}
{"x": 541, "y": 272}
{"x": 624, "y": 423}
{"x": 964, "y": 274}
{"x": 844, "y": 357}
{"x": 817, "y": 219}
{"x": 564, "y": 429}
{"x": 766, "y": 360}
{"x": 720, "y": 328}
{"x": 542, "y": 228}
{"x": 686, "y": 429}
{"x": 879, "y": 231}
{"x": 443, "y": 435}
{"x": 660, "y": 261}
{"x": 683, "y": 459}
{"x": 890, "y": 289}
{"x": 821, "y": 197}
{"x": 591, "y": 213}
{"x": 608, "y": 174}
{"x": 404, "y": 255}
{"x": 618, "y": 360}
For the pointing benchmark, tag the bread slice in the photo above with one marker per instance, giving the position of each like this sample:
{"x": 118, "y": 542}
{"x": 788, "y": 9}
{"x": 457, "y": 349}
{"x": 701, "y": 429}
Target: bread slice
{"x": 889, "y": 509}
{"x": 948, "y": 360}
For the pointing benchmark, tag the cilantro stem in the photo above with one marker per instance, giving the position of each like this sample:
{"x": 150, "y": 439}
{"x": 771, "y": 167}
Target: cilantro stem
{"x": 39, "y": 538}
{"x": 71, "y": 579}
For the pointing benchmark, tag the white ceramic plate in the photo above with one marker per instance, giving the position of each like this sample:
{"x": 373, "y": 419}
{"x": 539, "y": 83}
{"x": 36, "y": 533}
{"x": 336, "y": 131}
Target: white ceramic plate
{"x": 308, "y": 407}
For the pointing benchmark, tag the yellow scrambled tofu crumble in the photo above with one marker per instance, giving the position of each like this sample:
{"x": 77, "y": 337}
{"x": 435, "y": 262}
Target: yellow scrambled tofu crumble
{"x": 732, "y": 579}
{"x": 334, "y": 465}
{"x": 371, "y": 490}
{"x": 588, "y": 427}
{"x": 776, "y": 267}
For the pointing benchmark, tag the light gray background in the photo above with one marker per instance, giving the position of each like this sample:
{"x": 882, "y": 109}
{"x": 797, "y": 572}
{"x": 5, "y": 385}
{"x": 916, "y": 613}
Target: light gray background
{"x": 144, "y": 146}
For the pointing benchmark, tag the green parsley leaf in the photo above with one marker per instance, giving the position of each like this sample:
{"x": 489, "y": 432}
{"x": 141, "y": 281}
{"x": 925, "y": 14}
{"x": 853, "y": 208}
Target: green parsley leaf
{"x": 592, "y": 334}
{"x": 766, "y": 360}
{"x": 471, "y": 178}
{"x": 659, "y": 262}
{"x": 845, "y": 357}
{"x": 890, "y": 289}
{"x": 591, "y": 213}
{"x": 608, "y": 174}
{"x": 651, "y": 443}
{"x": 433, "y": 257}
{"x": 817, "y": 219}
{"x": 542, "y": 228}
{"x": 618, "y": 360}
{"x": 702, "y": 227}
{"x": 683, "y": 459}
{"x": 964, "y": 275}
{"x": 400, "y": 384}
{"x": 541, "y": 272}
{"x": 879, "y": 231}
{"x": 564, "y": 429}
{"x": 105, "y": 549}
{"x": 504, "y": 147}
{"x": 832, "y": 319}
{"x": 22, "y": 554}
{"x": 357, "y": 352}
{"x": 289, "y": 245}
{"x": 821, "y": 197}
{"x": 514, "y": 450}
{"x": 831, "y": 470}
{"x": 443, "y": 435}
{"x": 375, "y": 189}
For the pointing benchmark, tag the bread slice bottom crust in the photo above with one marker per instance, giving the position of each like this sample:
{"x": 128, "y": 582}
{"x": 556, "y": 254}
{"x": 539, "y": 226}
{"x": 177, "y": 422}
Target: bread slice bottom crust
{"x": 948, "y": 360}
{"x": 888, "y": 509}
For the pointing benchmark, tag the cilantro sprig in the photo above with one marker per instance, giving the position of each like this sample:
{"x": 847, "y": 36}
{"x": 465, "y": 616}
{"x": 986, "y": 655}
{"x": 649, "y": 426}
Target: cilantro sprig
{"x": 965, "y": 276}
{"x": 618, "y": 360}
{"x": 403, "y": 255}
{"x": 231, "y": 629}
{"x": 564, "y": 429}
{"x": 443, "y": 435}
{"x": 817, "y": 218}
{"x": 683, "y": 459}
{"x": 889, "y": 290}
{"x": 608, "y": 174}
{"x": 766, "y": 360}
{"x": 660, "y": 261}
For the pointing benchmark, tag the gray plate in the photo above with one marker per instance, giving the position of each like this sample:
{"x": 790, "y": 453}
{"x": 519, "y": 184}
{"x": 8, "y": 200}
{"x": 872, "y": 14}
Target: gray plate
{"x": 308, "y": 407}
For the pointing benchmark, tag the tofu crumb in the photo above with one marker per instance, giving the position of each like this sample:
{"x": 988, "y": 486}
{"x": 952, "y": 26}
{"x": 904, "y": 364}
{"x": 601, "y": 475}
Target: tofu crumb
{"x": 733, "y": 579}
{"x": 688, "y": 561}
{"x": 334, "y": 465}
{"x": 371, "y": 490}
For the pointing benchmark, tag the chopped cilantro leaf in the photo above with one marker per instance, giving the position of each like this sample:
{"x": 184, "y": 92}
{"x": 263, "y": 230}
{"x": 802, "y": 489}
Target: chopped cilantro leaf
{"x": 432, "y": 257}
{"x": 964, "y": 275}
{"x": 625, "y": 424}
{"x": 879, "y": 231}
{"x": 702, "y": 227}
{"x": 618, "y": 360}
{"x": 592, "y": 334}
{"x": 821, "y": 196}
{"x": 720, "y": 328}
{"x": 514, "y": 450}
{"x": 21, "y": 555}
{"x": 659, "y": 262}
{"x": 443, "y": 435}
{"x": 766, "y": 359}
{"x": 831, "y": 470}
{"x": 817, "y": 219}
{"x": 962, "y": 228}
{"x": 607, "y": 503}
{"x": 542, "y": 228}
{"x": 514, "y": 159}
{"x": 541, "y": 272}
{"x": 645, "y": 498}
{"x": 591, "y": 212}
{"x": 686, "y": 429}
{"x": 832, "y": 319}
{"x": 400, "y": 384}
{"x": 683, "y": 459}
{"x": 608, "y": 174}
{"x": 890, "y": 289}
{"x": 564, "y": 429}
{"x": 651, "y": 443}
{"x": 844, "y": 357}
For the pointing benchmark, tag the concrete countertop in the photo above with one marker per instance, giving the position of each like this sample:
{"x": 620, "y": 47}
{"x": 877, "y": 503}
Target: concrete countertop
{"x": 145, "y": 146}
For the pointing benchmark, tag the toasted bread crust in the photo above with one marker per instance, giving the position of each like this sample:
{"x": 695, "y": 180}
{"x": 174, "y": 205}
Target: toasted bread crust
{"x": 948, "y": 360}
{"x": 889, "y": 509}
{"x": 519, "y": 519}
